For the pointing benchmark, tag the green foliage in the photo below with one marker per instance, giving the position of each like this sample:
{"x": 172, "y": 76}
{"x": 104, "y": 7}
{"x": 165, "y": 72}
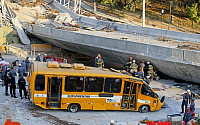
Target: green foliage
{"x": 111, "y": 3}
{"x": 192, "y": 12}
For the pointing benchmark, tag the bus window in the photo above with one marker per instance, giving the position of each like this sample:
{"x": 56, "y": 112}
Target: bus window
{"x": 40, "y": 83}
{"x": 74, "y": 84}
{"x": 134, "y": 89}
{"x": 94, "y": 84}
{"x": 113, "y": 85}
{"x": 147, "y": 91}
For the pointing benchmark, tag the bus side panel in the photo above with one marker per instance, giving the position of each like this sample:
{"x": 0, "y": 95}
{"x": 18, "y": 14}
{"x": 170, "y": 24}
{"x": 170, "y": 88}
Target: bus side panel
{"x": 113, "y": 106}
{"x": 40, "y": 97}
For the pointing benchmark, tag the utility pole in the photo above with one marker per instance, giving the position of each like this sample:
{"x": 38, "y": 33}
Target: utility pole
{"x": 95, "y": 6}
{"x": 170, "y": 13}
{"x": 143, "y": 14}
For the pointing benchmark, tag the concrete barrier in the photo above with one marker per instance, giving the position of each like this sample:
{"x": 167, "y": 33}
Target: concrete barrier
{"x": 192, "y": 56}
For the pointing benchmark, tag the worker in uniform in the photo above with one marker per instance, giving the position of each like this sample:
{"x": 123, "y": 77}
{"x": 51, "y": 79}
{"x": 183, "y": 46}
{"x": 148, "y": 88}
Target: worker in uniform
{"x": 187, "y": 116}
{"x": 192, "y": 105}
{"x": 22, "y": 84}
{"x": 15, "y": 65}
{"x": 147, "y": 80}
{"x": 134, "y": 66}
{"x": 20, "y": 70}
{"x": 142, "y": 65}
{"x": 38, "y": 58}
{"x": 140, "y": 74}
{"x": 95, "y": 60}
{"x": 23, "y": 64}
{"x": 27, "y": 63}
{"x": 100, "y": 63}
{"x": 12, "y": 75}
{"x": 186, "y": 100}
{"x": 148, "y": 70}
{"x": 6, "y": 82}
{"x": 45, "y": 58}
{"x": 128, "y": 64}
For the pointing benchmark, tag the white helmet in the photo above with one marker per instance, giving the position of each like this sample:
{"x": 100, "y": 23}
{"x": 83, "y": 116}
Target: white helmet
{"x": 131, "y": 71}
{"x": 38, "y": 54}
{"x": 188, "y": 91}
{"x": 45, "y": 54}
{"x": 20, "y": 64}
{"x": 133, "y": 61}
{"x": 148, "y": 77}
{"x": 148, "y": 62}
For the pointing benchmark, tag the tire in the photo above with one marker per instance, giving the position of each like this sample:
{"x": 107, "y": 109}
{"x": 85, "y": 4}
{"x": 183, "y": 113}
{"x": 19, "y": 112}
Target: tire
{"x": 144, "y": 109}
{"x": 73, "y": 108}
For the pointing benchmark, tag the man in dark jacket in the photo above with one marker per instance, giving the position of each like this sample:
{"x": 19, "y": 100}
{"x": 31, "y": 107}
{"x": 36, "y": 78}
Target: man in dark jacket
{"x": 12, "y": 87}
{"x": 186, "y": 100}
{"x": 22, "y": 84}
{"x": 27, "y": 64}
{"x": 6, "y": 82}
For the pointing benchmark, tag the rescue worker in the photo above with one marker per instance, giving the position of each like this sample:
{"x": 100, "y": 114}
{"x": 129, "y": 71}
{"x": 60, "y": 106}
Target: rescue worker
{"x": 148, "y": 70}
{"x": 6, "y": 82}
{"x": 27, "y": 63}
{"x": 128, "y": 64}
{"x": 140, "y": 74}
{"x": 192, "y": 105}
{"x": 45, "y": 58}
{"x": 142, "y": 65}
{"x": 187, "y": 116}
{"x": 147, "y": 80}
{"x": 20, "y": 70}
{"x": 12, "y": 75}
{"x": 23, "y": 64}
{"x": 38, "y": 58}
{"x": 95, "y": 60}
{"x": 134, "y": 66}
{"x": 186, "y": 100}
{"x": 100, "y": 63}
{"x": 15, "y": 64}
{"x": 22, "y": 86}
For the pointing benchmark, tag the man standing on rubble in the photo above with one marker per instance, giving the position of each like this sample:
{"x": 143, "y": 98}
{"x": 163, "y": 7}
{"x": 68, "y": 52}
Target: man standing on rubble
{"x": 38, "y": 58}
{"x": 128, "y": 64}
{"x": 148, "y": 70}
{"x": 134, "y": 66}
{"x": 100, "y": 63}
{"x": 142, "y": 65}
{"x": 186, "y": 100}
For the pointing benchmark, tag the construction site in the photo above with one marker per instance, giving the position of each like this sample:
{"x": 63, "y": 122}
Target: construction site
{"x": 71, "y": 35}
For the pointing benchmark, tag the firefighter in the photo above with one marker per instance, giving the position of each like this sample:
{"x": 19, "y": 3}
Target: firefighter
{"x": 20, "y": 70}
{"x": 134, "y": 66}
{"x": 100, "y": 63}
{"x": 147, "y": 80}
{"x": 38, "y": 58}
{"x": 192, "y": 105}
{"x": 186, "y": 100}
{"x": 27, "y": 63}
{"x": 128, "y": 64}
{"x": 142, "y": 65}
{"x": 148, "y": 70}
{"x": 12, "y": 75}
{"x": 22, "y": 84}
{"x": 45, "y": 58}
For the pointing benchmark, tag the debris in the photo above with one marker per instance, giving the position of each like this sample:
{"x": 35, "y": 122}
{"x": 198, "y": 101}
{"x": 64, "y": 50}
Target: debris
{"x": 124, "y": 38}
{"x": 161, "y": 38}
{"x": 156, "y": 89}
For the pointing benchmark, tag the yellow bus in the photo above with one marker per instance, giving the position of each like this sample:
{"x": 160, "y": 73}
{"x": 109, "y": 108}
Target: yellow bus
{"x": 63, "y": 86}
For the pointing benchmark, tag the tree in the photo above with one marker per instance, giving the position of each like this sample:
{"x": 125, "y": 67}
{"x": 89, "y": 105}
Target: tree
{"x": 111, "y": 3}
{"x": 192, "y": 13}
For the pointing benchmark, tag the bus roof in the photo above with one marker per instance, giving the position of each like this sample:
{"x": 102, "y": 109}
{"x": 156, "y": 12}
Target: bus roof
{"x": 42, "y": 68}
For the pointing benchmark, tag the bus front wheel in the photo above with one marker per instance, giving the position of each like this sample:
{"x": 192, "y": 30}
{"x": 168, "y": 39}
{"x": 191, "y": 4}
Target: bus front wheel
{"x": 73, "y": 108}
{"x": 144, "y": 109}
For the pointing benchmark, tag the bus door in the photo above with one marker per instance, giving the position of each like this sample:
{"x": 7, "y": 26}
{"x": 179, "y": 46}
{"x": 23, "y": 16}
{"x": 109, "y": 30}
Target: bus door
{"x": 129, "y": 96}
{"x": 54, "y": 90}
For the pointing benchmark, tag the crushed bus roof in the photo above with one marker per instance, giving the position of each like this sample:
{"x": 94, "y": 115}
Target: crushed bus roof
{"x": 42, "y": 68}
